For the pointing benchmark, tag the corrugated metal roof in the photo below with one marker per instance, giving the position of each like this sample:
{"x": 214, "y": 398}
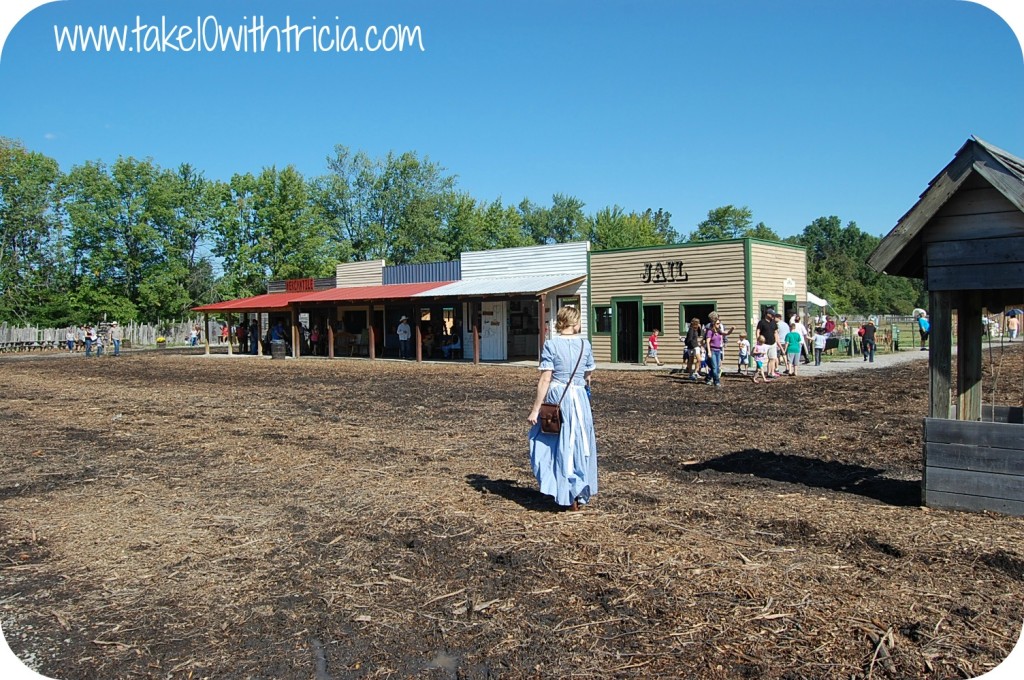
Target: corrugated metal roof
{"x": 503, "y": 286}
{"x": 422, "y": 273}
{"x": 396, "y": 292}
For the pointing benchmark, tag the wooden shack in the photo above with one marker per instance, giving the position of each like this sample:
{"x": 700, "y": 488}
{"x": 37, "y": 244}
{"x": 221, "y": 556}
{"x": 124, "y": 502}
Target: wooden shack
{"x": 965, "y": 238}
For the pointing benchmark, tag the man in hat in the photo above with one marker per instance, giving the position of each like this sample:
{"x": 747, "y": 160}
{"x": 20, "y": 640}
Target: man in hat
{"x": 404, "y": 338}
{"x": 768, "y": 328}
{"x": 116, "y": 335}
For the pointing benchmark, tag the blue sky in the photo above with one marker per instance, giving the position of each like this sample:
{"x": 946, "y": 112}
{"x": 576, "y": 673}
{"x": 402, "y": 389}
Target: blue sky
{"x": 795, "y": 108}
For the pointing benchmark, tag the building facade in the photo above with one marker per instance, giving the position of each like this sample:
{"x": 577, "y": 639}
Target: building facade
{"x": 634, "y": 291}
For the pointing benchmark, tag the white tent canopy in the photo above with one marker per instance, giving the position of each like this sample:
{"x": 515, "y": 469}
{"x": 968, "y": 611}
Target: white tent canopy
{"x": 815, "y": 300}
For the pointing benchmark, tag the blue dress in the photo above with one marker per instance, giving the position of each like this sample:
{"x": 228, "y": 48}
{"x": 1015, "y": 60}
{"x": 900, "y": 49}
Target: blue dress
{"x": 565, "y": 464}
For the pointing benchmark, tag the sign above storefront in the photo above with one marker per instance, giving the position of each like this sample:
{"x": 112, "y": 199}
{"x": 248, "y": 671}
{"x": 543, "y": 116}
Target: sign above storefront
{"x": 664, "y": 272}
{"x": 298, "y": 285}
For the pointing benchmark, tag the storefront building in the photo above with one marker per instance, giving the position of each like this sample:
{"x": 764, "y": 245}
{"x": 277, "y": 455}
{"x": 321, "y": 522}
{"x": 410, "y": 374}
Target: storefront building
{"x": 495, "y": 305}
{"x": 500, "y": 305}
{"x": 634, "y": 291}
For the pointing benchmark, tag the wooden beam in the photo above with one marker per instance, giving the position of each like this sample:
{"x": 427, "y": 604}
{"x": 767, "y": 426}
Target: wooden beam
{"x": 330, "y": 336}
{"x": 541, "y": 325}
{"x": 371, "y": 351}
{"x": 419, "y": 344}
{"x": 475, "y": 307}
{"x": 984, "y": 251}
{"x": 975, "y": 276}
{"x": 296, "y": 335}
{"x": 902, "y": 237}
{"x": 231, "y": 334}
{"x": 940, "y": 353}
{"x": 206, "y": 332}
{"x": 968, "y": 358}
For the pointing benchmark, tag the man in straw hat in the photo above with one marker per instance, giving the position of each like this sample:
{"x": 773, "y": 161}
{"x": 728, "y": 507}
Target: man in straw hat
{"x": 116, "y": 335}
{"x": 404, "y": 337}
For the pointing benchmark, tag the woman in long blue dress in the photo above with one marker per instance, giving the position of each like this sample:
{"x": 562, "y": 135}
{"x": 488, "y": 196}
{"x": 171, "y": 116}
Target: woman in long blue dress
{"x": 565, "y": 464}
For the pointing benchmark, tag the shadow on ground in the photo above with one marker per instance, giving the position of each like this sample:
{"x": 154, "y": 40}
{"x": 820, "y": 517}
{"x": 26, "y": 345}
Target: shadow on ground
{"x": 526, "y": 496}
{"x": 832, "y": 475}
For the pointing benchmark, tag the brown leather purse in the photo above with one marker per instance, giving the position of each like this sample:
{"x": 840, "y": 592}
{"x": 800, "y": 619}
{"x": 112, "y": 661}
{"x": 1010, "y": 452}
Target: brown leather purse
{"x": 550, "y": 415}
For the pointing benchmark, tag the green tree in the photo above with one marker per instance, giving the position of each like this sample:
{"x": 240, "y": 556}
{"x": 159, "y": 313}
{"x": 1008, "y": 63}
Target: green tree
{"x": 30, "y": 258}
{"x": 726, "y": 222}
{"x": 118, "y": 221}
{"x": 395, "y": 208}
{"x": 837, "y": 270}
{"x": 613, "y": 228}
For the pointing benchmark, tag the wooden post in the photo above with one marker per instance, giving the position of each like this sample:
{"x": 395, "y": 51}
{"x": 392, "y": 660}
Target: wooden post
{"x": 330, "y": 336}
{"x": 940, "y": 366}
{"x": 542, "y": 325}
{"x": 296, "y": 334}
{"x": 968, "y": 358}
{"x": 206, "y": 333}
{"x": 231, "y": 335}
{"x": 476, "y": 344}
{"x": 419, "y": 344}
{"x": 371, "y": 351}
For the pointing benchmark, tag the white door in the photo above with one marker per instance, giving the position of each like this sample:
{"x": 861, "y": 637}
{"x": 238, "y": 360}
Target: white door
{"x": 493, "y": 331}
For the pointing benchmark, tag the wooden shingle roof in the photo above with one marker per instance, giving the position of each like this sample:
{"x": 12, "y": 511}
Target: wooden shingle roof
{"x": 899, "y": 253}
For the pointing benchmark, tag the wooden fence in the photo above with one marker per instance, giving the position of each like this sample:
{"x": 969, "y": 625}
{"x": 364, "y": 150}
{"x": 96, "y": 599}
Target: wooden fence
{"x": 135, "y": 335}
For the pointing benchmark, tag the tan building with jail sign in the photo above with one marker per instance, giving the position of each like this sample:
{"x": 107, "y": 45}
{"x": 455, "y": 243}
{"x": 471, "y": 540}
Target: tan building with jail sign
{"x": 634, "y": 291}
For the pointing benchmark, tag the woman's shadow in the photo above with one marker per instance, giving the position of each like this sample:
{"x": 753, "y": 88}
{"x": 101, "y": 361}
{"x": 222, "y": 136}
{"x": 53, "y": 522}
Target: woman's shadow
{"x": 526, "y": 496}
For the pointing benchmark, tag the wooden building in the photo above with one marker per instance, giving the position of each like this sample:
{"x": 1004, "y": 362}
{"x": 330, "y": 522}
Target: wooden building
{"x": 965, "y": 238}
{"x": 633, "y": 291}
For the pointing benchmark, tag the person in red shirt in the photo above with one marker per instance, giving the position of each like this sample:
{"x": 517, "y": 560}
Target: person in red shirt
{"x": 652, "y": 348}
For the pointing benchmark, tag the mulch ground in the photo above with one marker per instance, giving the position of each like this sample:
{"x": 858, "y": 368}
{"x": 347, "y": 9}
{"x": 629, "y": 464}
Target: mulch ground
{"x": 178, "y": 516}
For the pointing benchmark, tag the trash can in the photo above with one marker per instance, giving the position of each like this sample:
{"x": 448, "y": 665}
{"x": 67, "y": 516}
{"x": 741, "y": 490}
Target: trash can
{"x": 278, "y": 350}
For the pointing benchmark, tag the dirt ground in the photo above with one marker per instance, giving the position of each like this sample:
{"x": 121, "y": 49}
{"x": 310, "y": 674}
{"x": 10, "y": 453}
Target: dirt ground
{"x": 169, "y": 515}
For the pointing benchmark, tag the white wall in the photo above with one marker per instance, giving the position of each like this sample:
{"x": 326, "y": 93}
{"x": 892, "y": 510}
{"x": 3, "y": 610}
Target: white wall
{"x": 562, "y": 259}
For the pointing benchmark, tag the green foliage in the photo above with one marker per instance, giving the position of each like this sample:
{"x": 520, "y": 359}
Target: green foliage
{"x": 613, "y": 228}
{"x": 837, "y": 270}
{"x": 133, "y": 241}
{"x": 730, "y": 222}
{"x": 28, "y": 229}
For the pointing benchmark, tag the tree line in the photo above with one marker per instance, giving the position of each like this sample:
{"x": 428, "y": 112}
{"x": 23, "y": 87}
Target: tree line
{"x": 133, "y": 241}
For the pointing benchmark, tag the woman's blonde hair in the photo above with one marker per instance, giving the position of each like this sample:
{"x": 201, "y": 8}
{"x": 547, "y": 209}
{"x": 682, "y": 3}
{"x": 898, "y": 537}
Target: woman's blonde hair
{"x": 568, "y": 317}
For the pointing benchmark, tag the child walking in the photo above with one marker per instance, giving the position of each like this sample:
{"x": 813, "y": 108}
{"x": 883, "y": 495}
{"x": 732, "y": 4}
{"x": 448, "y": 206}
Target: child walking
{"x": 760, "y": 359}
{"x": 744, "y": 348}
{"x": 819, "y": 339}
{"x": 652, "y": 348}
{"x": 793, "y": 342}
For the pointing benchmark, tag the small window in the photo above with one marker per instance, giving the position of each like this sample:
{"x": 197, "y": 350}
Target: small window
{"x": 602, "y": 319}
{"x": 652, "y": 318}
{"x": 699, "y": 311}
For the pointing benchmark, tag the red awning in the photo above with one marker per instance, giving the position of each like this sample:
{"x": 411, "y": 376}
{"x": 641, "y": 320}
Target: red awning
{"x": 271, "y": 302}
{"x": 396, "y": 291}
{"x": 258, "y": 303}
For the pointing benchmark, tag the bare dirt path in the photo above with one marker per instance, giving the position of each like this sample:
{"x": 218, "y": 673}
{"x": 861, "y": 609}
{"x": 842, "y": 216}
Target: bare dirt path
{"x": 182, "y": 516}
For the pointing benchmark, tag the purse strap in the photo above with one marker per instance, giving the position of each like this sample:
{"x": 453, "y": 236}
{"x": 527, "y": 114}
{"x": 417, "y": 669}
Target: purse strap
{"x": 571, "y": 375}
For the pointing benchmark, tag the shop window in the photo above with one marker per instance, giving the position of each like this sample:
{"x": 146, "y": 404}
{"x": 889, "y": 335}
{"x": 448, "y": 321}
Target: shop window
{"x": 652, "y": 318}
{"x": 765, "y": 305}
{"x": 602, "y": 318}
{"x": 695, "y": 310}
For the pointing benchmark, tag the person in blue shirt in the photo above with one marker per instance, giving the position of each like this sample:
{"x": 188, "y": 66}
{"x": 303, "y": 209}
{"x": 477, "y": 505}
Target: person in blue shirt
{"x": 924, "y": 327}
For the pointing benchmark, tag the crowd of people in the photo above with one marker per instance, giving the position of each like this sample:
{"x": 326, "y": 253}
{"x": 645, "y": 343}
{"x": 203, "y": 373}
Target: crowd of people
{"x": 778, "y": 347}
{"x": 92, "y": 340}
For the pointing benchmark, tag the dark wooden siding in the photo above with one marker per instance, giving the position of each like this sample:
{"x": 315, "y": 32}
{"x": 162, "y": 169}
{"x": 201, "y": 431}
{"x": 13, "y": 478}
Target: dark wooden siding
{"x": 973, "y": 465}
